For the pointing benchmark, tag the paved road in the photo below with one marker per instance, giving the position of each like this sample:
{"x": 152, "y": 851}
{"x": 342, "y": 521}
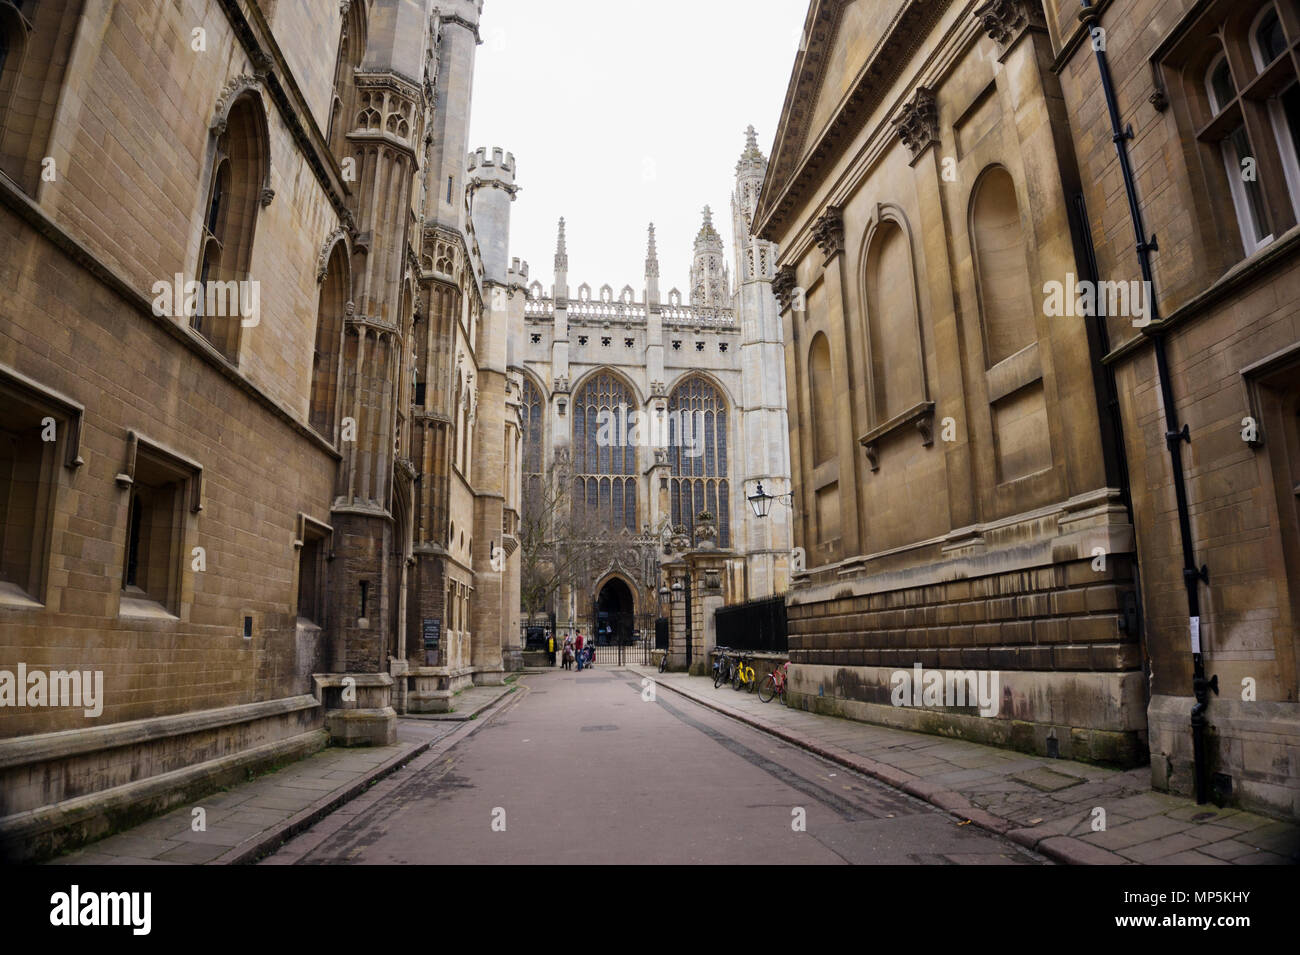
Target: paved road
{"x": 581, "y": 769}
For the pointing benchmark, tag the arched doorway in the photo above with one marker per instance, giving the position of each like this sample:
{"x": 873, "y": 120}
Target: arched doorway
{"x": 615, "y": 614}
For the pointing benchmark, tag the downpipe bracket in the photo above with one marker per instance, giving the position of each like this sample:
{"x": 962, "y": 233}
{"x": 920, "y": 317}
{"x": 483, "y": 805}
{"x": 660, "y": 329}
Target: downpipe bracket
{"x": 1173, "y": 437}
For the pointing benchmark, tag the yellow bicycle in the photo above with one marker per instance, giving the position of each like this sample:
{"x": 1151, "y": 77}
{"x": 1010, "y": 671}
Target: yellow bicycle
{"x": 743, "y": 674}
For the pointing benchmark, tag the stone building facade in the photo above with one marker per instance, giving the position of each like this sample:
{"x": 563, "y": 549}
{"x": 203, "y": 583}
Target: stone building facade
{"x": 1210, "y": 91}
{"x": 920, "y": 191}
{"x": 257, "y": 423}
{"x": 997, "y": 495}
{"x": 707, "y": 377}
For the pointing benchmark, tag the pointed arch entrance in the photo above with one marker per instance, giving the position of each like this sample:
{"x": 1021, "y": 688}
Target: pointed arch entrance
{"x": 615, "y": 613}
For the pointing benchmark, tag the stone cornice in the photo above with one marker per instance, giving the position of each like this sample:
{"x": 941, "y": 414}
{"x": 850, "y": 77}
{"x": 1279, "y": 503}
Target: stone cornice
{"x": 459, "y": 21}
{"x": 289, "y": 101}
{"x": 793, "y": 165}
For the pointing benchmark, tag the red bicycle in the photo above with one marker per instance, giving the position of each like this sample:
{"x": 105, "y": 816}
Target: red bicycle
{"x": 775, "y": 683}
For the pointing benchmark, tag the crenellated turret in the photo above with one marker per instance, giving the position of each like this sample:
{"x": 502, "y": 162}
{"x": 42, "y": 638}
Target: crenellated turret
{"x": 456, "y": 25}
{"x": 492, "y": 190}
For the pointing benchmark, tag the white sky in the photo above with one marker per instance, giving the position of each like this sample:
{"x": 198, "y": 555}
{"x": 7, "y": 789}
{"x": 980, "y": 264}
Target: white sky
{"x": 624, "y": 112}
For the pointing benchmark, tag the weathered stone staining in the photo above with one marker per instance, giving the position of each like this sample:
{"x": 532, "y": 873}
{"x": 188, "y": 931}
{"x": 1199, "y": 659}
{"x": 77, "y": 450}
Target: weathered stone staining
{"x": 281, "y": 531}
{"x": 979, "y": 456}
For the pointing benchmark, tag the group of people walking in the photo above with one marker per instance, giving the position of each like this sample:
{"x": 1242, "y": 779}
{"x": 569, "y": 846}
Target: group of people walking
{"x": 575, "y": 650}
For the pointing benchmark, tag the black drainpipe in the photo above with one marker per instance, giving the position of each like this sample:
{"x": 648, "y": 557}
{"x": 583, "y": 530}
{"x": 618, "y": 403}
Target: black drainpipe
{"x": 1174, "y": 435}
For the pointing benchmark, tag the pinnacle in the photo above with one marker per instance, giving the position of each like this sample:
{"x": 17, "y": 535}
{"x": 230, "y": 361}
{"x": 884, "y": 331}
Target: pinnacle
{"x": 652, "y": 254}
{"x": 752, "y": 156}
{"x": 561, "y": 253}
{"x": 707, "y": 231}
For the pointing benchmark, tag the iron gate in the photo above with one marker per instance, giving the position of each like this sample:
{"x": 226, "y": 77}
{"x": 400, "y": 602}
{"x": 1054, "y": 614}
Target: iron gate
{"x": 623, "y": 639}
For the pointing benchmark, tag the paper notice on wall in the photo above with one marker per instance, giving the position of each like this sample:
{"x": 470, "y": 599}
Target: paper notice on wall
{"x": 1196, "y": 634}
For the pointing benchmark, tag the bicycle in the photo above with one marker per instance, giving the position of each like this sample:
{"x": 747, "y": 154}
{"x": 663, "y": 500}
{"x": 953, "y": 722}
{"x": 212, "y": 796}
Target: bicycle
{"x": 743, "y": 674}
{"x": 663, "y": 662}
{"x": 722, "y": 667}
{"x": 775, "y": 684}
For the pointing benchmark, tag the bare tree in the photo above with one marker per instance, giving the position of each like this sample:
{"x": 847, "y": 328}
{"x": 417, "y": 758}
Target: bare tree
{"x": 563, "y": 542}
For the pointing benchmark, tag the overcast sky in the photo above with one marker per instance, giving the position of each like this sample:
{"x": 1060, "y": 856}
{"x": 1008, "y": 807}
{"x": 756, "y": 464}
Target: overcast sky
{"x": 624, "y": 112}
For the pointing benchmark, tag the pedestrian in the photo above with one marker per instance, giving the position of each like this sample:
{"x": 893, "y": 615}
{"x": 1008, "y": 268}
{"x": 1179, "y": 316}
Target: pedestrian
{"x": 568, "y": 652}
{"x": 550, "y": 648}
{"x": 578, "y": 647}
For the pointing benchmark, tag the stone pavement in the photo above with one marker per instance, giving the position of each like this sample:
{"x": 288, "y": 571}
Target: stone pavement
{"x": 247, "y": 821}
{"x": 1048, "y": 805}
{"x": 466, "y": 704}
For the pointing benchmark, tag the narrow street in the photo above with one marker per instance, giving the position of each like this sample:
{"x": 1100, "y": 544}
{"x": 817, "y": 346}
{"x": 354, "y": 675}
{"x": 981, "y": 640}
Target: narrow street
{"x": 582, "y": 769}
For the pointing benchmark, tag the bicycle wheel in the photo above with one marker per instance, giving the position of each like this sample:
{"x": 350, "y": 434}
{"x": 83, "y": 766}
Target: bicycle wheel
{"x": 767, "y": 690}
{"x": 753, "y": 680}
{"x": 719, "y": 677}
{"x": 735, "y": 679}
{"x": 663, "y": 662}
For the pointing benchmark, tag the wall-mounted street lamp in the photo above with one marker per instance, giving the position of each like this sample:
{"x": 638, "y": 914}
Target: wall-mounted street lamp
{"x": 761, "y": 501}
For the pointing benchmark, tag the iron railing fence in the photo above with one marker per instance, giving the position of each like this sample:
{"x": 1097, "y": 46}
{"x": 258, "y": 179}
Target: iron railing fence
{"x": 759, "y": 625}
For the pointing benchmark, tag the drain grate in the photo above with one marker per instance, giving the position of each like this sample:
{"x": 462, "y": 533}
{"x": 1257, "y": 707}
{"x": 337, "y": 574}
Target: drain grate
{"x": 600, "y": 728}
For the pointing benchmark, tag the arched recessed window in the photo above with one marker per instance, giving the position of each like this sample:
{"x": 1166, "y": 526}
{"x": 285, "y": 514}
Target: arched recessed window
{"x": 330, "y": 316}
{"x": 697, "y": 452}
{"x": 604, "y": 459}
{"x": 1001, "y": 267}
{"x": 1239, "y": 158}
{"x": 893, "y": 326}
{"x": 822, "y": 404}
{"x": 35, "y": 48}
{"x": 240, "y": 161}
{"x": 1219, "y": 84}
{"x": 1267, "y": 40}
{"x": 531, "y": 409}
{"x": 351, "y": 51}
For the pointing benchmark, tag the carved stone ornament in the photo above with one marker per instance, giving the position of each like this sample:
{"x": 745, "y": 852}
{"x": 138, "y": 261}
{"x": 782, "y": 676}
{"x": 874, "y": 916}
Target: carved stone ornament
{"x": 873, "y": 455}
{"x": 784, "y": 284}
{"x": 1005, "y": 20}
{"x": 229, "y": 92}
{"x": 918, "y": 123}
{"x": 322, "y": 260}
{"x": 828, "y": 230}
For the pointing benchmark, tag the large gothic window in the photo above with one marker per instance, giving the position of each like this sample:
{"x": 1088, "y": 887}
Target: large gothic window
{"x": 330, "y": 316}
{"x": 351, "y": 51}
{"x": 604, "y": 460}
{"x": 697, "y": 431}
{"x": 240, "y": 163}
{"x": 531, "y": 409}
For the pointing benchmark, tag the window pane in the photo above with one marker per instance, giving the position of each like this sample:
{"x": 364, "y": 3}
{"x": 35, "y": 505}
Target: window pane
{"x": 1240, "y": 145}
{"x": 1221, "y": 85}
{"x": 1291, "y": 109}
{"x": 1269, "y": 37}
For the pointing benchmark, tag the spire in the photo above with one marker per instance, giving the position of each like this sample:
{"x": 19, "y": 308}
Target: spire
{"x": 652, "y": 255}
{"x": 752, "y": 157}
{"x": 561, "y": 252}
{"x": 707, "y": 232}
